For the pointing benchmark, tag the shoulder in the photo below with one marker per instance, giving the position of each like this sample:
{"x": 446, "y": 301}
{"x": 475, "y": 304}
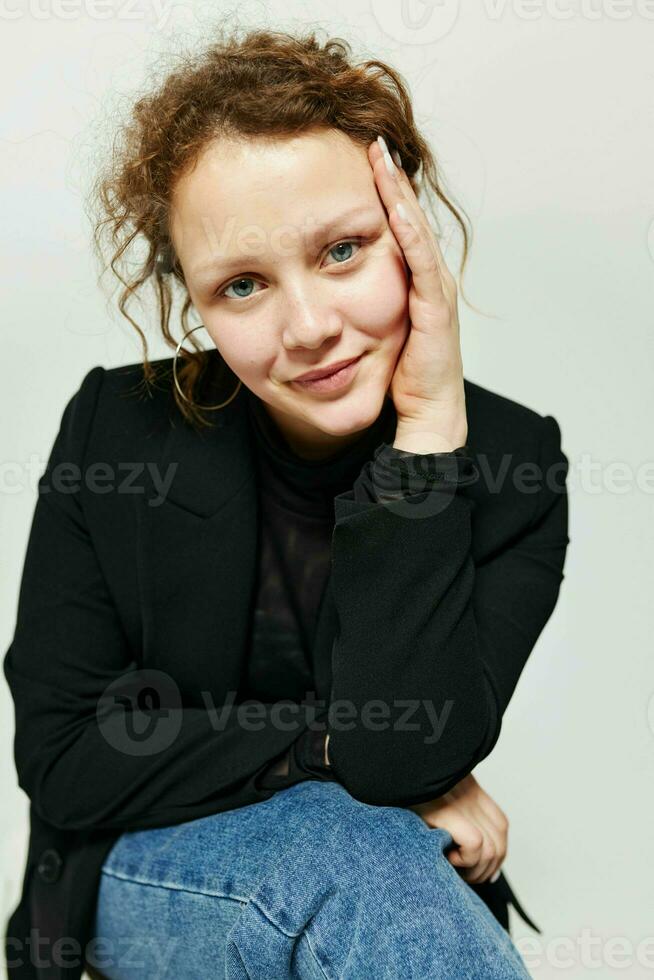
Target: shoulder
{"x": 126, "y": 382}
{"x": 498, "y": 425}
{"x": 116, "y": 404}
{"x": 125, "y": 386}
{"x": 518, "y": 451}
{"x": 494, "y": 416}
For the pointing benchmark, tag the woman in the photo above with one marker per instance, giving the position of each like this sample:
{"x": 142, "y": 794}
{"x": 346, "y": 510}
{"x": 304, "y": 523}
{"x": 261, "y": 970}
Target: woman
{"x": 258, "y": 655}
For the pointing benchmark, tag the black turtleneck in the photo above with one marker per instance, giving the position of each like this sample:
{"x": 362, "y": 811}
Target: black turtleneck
{"x": 296, "y": 520}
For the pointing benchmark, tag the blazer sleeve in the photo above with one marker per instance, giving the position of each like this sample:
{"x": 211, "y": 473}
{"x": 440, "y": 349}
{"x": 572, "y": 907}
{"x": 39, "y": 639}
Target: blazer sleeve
{"x": 431, "y": 646}
{"x": 69, "y": 647}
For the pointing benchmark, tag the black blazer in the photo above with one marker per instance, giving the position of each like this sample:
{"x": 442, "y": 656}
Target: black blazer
{"x": 134, "y": 606}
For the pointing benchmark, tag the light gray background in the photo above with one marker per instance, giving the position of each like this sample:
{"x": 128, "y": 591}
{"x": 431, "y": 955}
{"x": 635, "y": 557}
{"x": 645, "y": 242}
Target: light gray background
{"x": 541, "y": 116}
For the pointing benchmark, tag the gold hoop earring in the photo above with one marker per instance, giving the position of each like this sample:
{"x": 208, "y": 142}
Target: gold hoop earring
{"x": 205, "y": 408}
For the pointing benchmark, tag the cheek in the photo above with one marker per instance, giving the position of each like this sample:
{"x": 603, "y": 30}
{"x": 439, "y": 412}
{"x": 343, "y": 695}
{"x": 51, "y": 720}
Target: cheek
{"x": 237, "y": 349}
{"x": 384, "y": 299}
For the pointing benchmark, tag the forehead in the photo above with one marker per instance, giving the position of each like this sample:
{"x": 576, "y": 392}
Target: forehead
{"x": 270, "y": 186}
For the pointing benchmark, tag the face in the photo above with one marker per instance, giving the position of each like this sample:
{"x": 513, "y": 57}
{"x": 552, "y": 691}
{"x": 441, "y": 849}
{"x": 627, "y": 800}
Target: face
{"x": 289, "y": 260}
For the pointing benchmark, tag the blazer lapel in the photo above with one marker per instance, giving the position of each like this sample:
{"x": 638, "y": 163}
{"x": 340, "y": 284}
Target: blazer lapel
{"x": 197, "y": 554}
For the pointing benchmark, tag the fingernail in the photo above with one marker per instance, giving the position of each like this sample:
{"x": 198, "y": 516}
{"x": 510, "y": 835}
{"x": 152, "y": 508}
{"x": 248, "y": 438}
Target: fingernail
{"x": 398, "y": 159}
{"x": 390, "y": 166}
{"x": 401, "y": 210}
{"x": 496, "y": 875}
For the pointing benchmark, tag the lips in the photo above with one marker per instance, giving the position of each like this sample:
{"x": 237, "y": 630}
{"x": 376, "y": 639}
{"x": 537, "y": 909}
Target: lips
{"x": 325, "y": 372}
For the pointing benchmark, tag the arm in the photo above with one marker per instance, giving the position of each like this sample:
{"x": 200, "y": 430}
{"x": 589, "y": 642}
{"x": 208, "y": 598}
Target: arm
{"x": 68, "y": 646}
{"x": 420, "y": 623}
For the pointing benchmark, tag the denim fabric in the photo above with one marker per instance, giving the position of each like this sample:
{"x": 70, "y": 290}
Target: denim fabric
{"x": 310, "y": 883}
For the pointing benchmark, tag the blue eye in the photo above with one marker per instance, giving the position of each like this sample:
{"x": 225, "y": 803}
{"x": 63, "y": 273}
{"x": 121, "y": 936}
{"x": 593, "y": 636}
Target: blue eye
{"x": 348, "y": 243}
{"x": 236, "y": 282}
{"x": 245, "y": 279}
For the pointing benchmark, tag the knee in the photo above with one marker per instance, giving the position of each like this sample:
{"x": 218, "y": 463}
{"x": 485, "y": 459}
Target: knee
{"x": 375, "y": 847}
{"x": 378, "y": 853}
{"x": 390, "y": 885}
{"x": 397, "y": 858}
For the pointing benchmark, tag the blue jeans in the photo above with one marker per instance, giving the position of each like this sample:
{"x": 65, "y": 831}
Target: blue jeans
{"x": 309, "y": 884}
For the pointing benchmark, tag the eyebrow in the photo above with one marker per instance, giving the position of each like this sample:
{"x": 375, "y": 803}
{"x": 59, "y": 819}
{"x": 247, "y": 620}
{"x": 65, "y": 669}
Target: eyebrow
{"x": 206, "y": 269}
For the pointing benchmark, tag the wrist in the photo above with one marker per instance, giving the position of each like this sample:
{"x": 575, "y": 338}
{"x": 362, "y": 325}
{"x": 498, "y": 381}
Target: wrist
{"x": 438, "y": 433}
{"x": 423, "y": 439}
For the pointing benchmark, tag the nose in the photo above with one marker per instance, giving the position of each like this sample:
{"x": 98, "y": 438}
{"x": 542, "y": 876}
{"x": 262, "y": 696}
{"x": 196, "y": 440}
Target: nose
{"x": 309, "y": 324}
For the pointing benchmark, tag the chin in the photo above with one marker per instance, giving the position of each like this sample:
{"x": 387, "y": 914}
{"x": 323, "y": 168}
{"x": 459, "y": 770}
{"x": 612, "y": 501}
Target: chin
{"x": 352, "y": 413}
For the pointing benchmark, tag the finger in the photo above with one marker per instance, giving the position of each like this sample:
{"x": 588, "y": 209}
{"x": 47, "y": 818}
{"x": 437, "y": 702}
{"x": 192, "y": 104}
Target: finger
{"x": 494, "y": 813}
{"x": 492, "y": 852}
{"x": 476, "y": 872}
{"x": 492, "y": 872}
{"x": 481, "y": 871}
{"x": 416, "y": 210}
{"x": 400, "y": 182}
{"x": 392, "y": 189}
{"x": 413, "y": 238}
{"x": 477, "y": 854}
{"x": 375, "y": 153}
{"x": 498, "y": 821}
{"x": 467, "y": 853}
{"x": 468, "y": 838}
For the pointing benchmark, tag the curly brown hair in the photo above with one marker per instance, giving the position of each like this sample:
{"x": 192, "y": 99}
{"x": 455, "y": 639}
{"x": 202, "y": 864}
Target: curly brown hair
{"x": 221, "y": 92}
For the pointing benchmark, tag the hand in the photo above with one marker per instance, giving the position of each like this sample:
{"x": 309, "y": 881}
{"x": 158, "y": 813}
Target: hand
{"x": 478, "y": 827}
{"x": 427, "y": 386}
